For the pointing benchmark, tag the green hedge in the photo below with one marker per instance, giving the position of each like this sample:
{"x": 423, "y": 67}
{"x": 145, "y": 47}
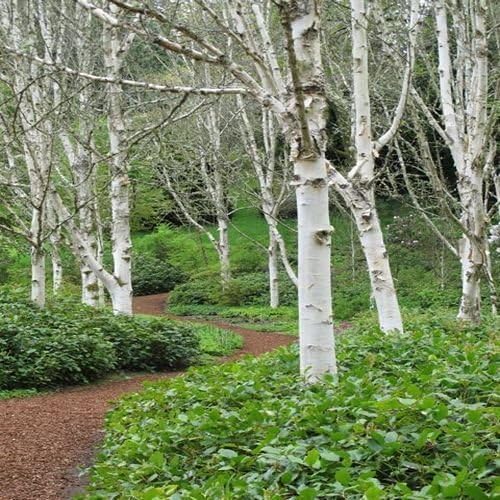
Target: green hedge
{"x": 411, "y": 416}
{"x": 248, "y": 289}
{"x": 72, "y": 344}
{"x": 152, "y": 275}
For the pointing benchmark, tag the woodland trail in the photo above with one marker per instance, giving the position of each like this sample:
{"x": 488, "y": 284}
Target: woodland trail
{"x": 46, "y": 439}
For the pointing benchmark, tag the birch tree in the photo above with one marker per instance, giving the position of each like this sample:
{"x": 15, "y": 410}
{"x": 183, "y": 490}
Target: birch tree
{"x": 32, "y": 94}
{"x": 300, "y": 109}
{"x": 357, "y": 187}
{"x": 464, "y": 127}
{"x": 198, "y": 181}
{"x": 264, "y": 161}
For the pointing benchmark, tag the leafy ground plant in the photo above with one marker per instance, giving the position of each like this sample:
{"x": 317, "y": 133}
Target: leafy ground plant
{"x": 69, "y": 344}
{"x": 260, "y": 318}
{"x": 411, "y": 416}
{"x": 216, "y": 341}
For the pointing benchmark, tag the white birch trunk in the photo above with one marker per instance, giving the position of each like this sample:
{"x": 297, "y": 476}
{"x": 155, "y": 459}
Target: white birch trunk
{"x": 121, "y": 294}
{"x": 224, "y": 250}
{"x": 38, "y": 276}
{"x": 317, "y": 344}
{"x": 57, "y": 268}
{"x": 362, "y": 201}
{"x": 272, "y": 265}
{"x": 465, "y": 125}
{"x": 269, "y": 203}
{"x": 382, "y": 285}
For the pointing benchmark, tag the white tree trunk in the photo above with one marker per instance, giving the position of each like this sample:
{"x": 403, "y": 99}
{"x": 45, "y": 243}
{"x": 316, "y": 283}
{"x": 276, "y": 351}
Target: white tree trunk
{"x": 307, "y": 141}
{"x": 471, "y": 262}
{"x": 121, "y": 295}
{"x": 472, "y": 246}
{"x": 382, "y": 285}
{"x": 273, "y": 250}
{"x": 38, "y": 276}
{"x": 466, "y": 126}
{"x": 224, "y": 250}
{"x": 317, "y": 355}
{"x": 90, "y": 290}
{"x": 57, "y": 269}
{"x": 357, "y": 189}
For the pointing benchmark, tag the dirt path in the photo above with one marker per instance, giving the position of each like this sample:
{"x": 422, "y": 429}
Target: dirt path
{"x": 45, "y": 439}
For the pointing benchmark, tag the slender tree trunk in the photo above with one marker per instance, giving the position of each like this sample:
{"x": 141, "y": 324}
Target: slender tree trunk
{"x": 38, "y": 276}
{"x": 465, "y": 119}
{"x": 57, "y": 269}
{"x": 470, "y": 303}
{"x": 382, "y": 285}
{"x": 121, "y": 296}
{"x": 472, "y": 250}
{"x": 90, "y": 292}
{"x": 362, "y": 202}
{"x": 224, "y": 250}
{"x": 121, "y": 245}
{"x": 273, "y": 250}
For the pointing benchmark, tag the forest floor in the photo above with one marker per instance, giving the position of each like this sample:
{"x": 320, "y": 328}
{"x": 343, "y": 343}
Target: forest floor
{"x": 46, "y": 440}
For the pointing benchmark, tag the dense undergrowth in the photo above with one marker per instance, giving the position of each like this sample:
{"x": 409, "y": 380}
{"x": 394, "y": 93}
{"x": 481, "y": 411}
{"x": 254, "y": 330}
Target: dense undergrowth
{"x": 411, "y": 416}
{"x": 415, "y": 256}
{"x": 69, "y": 344}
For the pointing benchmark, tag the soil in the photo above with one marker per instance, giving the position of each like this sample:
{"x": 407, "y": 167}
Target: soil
{"x": 46, "y": 440}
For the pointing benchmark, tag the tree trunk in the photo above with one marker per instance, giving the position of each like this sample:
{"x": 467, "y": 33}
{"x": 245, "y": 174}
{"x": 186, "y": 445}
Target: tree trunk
{"x": 115, "y": 52}
{"x": 472, "y": 248}
{"x": 224, "y": 250}
{"x": 382, "y": 284}
{"x": 273, "y": 270}
{"x": 317, "y": 353}
{"x": 90, "y": 290}
{"x": 471, "y": 261}
{"x": 121, "y": 243}
{"x": 38, "y": 276}
{"x": 57, "y": 269}
{"x": 307, "y": 140}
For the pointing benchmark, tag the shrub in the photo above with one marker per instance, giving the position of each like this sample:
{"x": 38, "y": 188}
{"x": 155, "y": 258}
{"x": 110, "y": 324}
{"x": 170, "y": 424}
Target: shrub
{"x": 151, "y": 344}
{"x": 196, "y": 291}
{"x": 180, "y": 248}
{"x": 72, "y": 344}
{"x": 410, "y": 417}
{"x": 151, "y": 275}
{"x": 250, "y": 289}
{"x": 40, "y": 349}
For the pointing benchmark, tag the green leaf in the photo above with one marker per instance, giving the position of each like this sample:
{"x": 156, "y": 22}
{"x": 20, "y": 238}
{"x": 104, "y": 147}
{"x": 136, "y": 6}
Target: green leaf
{"x": 329, "y": 456}
{"x": 475, "y": 492}
{"x": 312, "y": 458}
{"x": 343, "y": 476}
{"x": 157, "y": 459}
{"x": 407, "y": 401}
{"x": 307, "y": 494}
{"x": 226, "y": 453}
{"x": 451, "y": 491}
{"x": 374, "y": 493}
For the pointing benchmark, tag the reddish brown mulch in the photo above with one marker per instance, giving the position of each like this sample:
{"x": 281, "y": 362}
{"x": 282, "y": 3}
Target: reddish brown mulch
{"x": 44, "y": 440}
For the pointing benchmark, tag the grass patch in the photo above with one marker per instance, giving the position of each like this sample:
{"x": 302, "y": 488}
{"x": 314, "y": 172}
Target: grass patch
{"x": 411, "y": 416}
{"x": 18, "y": 393}
{"x": 259, "y": 318}
{"x": 217, "y": 341}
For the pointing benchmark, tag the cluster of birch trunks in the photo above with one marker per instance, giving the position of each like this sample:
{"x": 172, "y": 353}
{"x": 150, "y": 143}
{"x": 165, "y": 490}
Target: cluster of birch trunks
{"x": 266, "y": 71}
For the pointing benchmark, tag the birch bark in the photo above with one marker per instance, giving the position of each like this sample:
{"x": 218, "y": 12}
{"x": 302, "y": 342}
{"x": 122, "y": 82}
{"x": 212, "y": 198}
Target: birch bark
{"x": 307, "y": 145}
{"x": 465, "y": 120}
{"x": 357, "y": 188}
{"x": 115, "y": 50}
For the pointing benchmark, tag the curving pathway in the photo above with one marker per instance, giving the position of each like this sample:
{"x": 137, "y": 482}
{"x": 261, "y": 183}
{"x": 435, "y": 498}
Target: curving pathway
{"x": 45, "y": 440}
